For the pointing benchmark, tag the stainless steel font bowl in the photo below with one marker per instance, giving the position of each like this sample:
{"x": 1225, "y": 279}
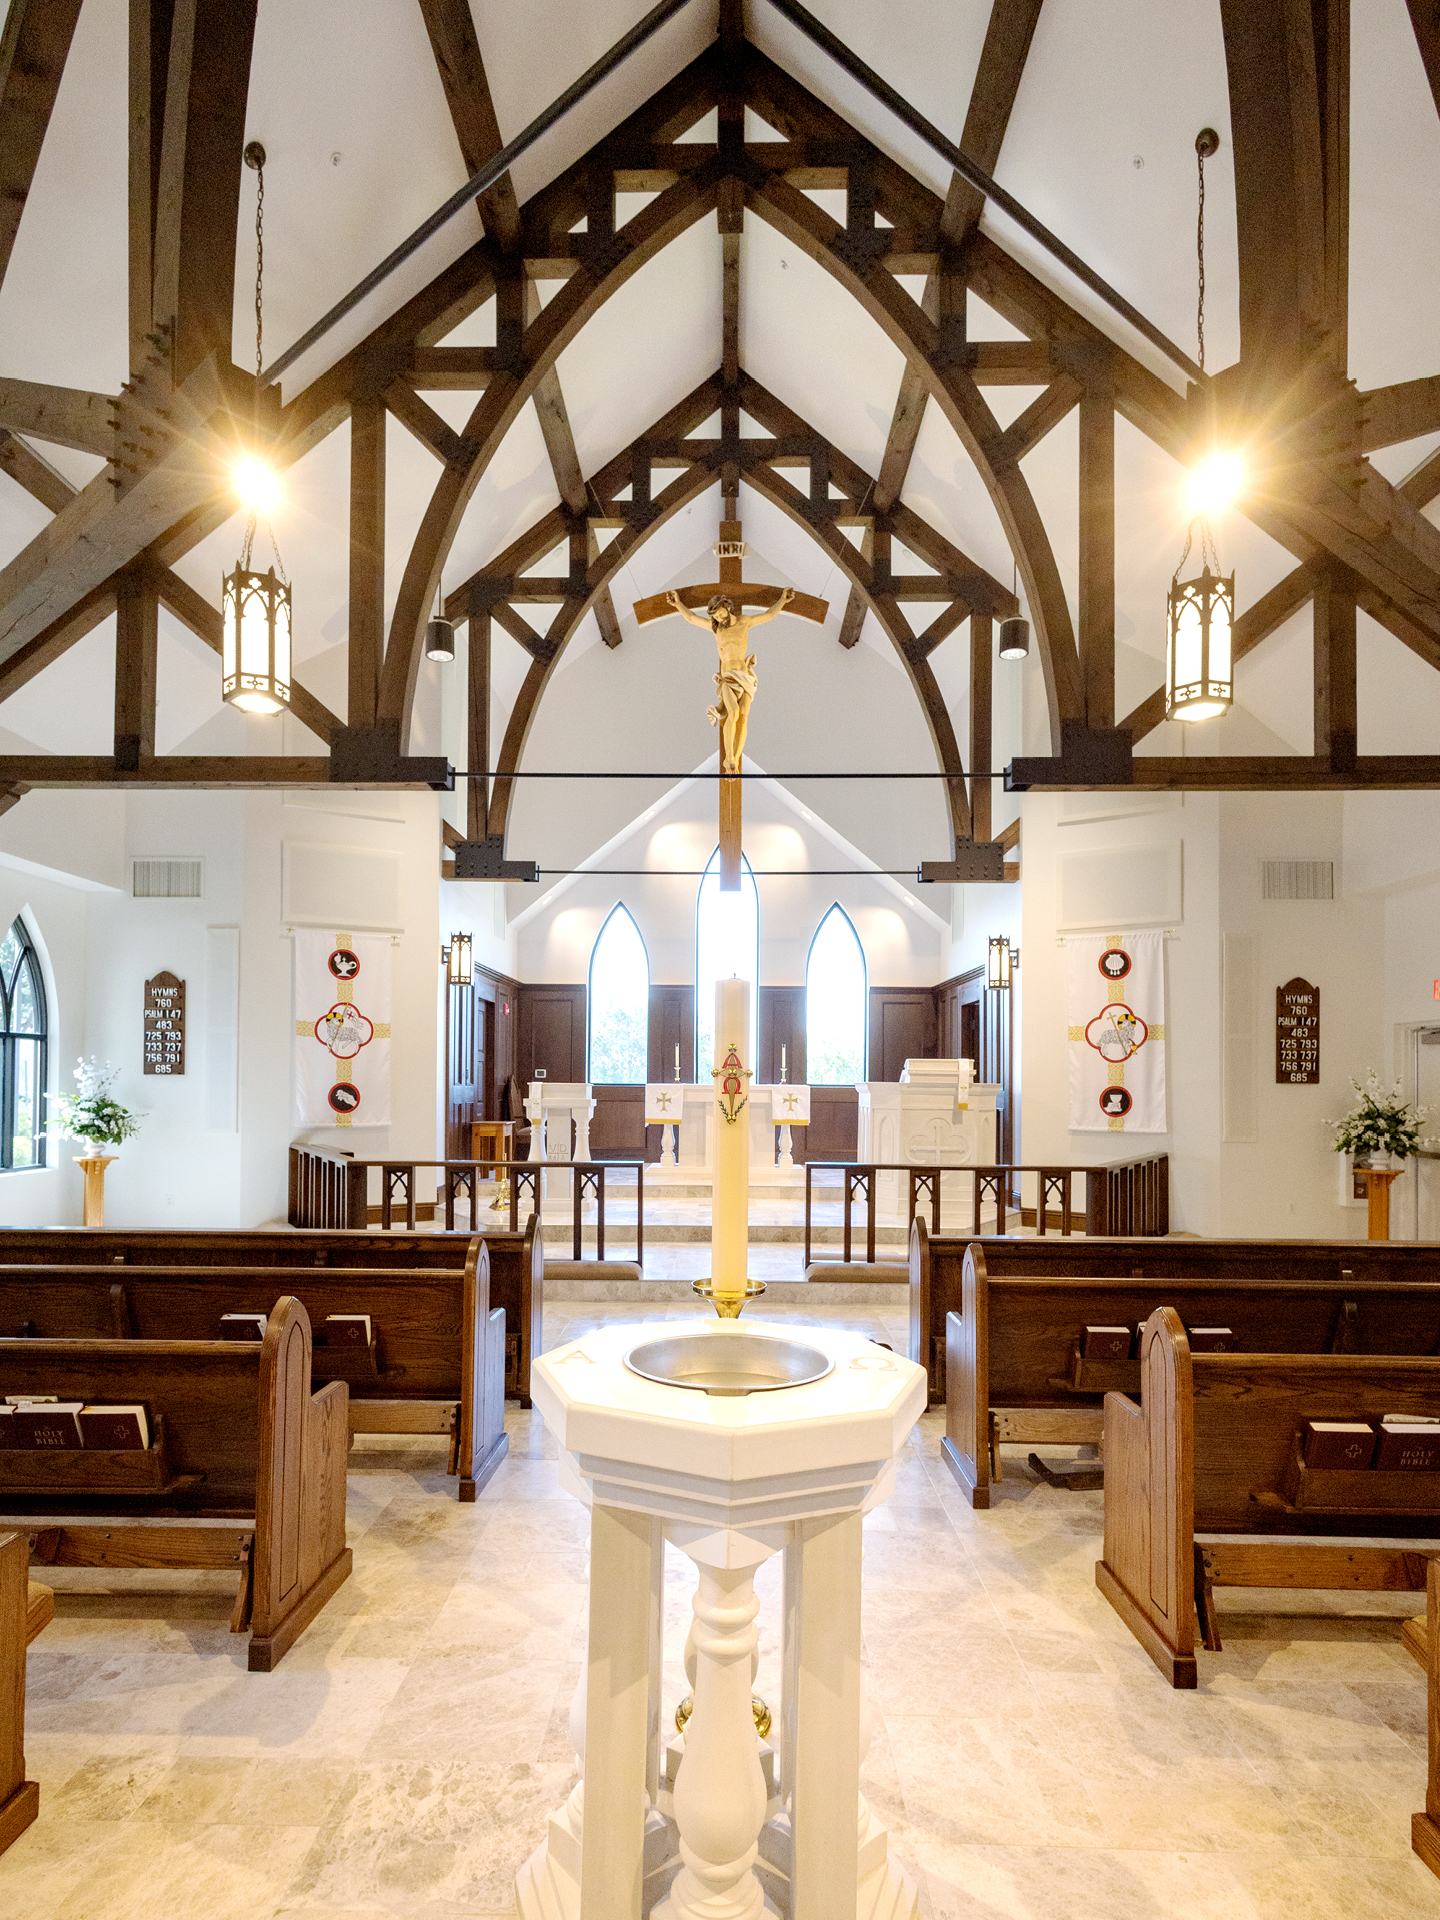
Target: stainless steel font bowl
{"x": 728, "y": 1363}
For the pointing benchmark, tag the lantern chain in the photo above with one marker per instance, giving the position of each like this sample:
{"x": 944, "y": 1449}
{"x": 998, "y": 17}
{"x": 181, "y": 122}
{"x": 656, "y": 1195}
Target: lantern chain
{"x": 260, "y": 261}
{"x": 1199, "y": 258}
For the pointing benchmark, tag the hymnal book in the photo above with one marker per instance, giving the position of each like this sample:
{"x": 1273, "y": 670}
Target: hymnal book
{"x": 116, "y": 1429}
{"x": 48, "y": 1425}
{"x": 1211, "y": 1339}
{"x": 31, "y": 1399}
{"x": 1412, "y": 1446}
{"x": 7, "y": 1428}
{"x": 1106, "y": 1343}
{"x": 347, "y": 1329}
{"x": 243, "y": 1326}
{"x": 1339, "y": 1446}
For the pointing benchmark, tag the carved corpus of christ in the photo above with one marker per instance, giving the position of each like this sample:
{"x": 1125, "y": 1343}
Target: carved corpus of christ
{"x": 724, "y": 602}
{"x": 736, "y": 680}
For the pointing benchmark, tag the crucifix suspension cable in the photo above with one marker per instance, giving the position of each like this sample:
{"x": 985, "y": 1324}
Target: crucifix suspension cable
{"x": 724, "y": 602}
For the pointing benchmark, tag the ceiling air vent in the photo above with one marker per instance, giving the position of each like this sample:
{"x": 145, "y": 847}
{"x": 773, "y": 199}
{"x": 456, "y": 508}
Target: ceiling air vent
{"x": 1297, "y": 879}
{"x": 167, "y": 879}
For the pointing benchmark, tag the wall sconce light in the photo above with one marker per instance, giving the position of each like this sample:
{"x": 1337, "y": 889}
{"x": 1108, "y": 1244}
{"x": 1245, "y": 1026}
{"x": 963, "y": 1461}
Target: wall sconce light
{"x": 455, "y": 959}
{"x": 1001, "y": 961}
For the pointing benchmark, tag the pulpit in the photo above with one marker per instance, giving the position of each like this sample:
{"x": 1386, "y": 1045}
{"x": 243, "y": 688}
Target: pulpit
{"x": 551, "y": 1106}
{"x": 935, "y": 1115}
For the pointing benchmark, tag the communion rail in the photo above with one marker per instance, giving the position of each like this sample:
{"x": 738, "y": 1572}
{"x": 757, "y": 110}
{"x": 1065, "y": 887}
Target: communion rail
{"x": 332, "y": 1190}
{"x": 1131, "y": 1198}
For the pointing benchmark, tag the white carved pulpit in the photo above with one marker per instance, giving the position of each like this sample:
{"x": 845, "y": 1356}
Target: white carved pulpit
{"x": 551, "y": 1107}
{"x": 935, "y": 1115}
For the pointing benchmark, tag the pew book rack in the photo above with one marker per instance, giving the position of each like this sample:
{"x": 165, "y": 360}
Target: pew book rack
{"x": 1210, "y": 1448}
{"x": 248, "y": 1471}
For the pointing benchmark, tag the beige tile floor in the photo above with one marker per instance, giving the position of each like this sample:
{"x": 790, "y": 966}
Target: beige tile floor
{"x": 403, "y": 1758}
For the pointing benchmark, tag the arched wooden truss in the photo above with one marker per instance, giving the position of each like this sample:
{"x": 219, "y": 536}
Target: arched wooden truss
{"x": 169, "y": 436}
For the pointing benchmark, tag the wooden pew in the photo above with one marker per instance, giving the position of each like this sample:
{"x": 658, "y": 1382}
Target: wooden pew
{"x": 517, "y": 1263}
{"x": 1214, "y": 1446}
{"x": 25, "y": 1608}
{"x": 1425, "y": 1827}
{"x": 246, "y": 1469}
{"x": 436, "y": 1363}
{"x": 1015, "y": 1371}
{"x": 937, "y": 1267}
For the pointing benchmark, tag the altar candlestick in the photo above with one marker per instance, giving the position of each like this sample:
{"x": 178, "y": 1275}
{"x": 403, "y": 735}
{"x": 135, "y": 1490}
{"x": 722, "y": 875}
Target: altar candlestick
{"x": 677, "y": 1059}
{"x": 730, "y": 1195}
{"x": 782, "y": 1064}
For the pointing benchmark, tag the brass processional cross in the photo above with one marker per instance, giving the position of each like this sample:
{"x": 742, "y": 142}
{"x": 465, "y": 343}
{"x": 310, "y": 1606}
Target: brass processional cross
{"x": 725, "y": 601}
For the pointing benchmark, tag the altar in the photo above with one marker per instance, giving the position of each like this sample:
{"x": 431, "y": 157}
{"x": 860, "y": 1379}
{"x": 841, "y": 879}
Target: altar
{"x": 694, "y": 1110}
{"x": 934, "y": 1115}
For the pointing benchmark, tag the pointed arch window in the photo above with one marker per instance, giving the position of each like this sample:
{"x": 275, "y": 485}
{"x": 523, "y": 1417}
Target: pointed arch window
{"x": 619, "y": 1004}
{"x": 837, "y": 1003}
{"x": 727, "y": 942}
{"x": 23, "y": 1033}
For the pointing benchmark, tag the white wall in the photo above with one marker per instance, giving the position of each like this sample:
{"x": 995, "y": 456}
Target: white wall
{"x": 183, "y": 1170}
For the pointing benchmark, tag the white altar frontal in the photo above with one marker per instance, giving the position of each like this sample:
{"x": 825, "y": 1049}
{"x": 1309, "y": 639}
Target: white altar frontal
{"x": 693, "y": 1110}
{"x": 934, "y": 1115}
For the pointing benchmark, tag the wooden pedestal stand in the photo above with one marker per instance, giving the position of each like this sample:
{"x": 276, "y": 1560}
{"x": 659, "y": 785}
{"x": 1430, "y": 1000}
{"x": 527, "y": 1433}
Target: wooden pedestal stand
{"x": 93, "y": 1166}
{"x": 1378, "y": 1181}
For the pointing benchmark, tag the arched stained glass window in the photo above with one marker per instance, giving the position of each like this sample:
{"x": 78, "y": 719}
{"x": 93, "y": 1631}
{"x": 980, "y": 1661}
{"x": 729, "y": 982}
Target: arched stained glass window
{"x": 619, "y": 1004}
{"x": 22, "y": 1051}
{"x": 837, "y": 1003}
{"x": 727, "y": 942}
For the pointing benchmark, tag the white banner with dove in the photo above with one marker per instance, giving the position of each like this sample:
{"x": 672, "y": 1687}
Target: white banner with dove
{"x": 1117, "y": 1033}
{"x": 342, "y": 1030}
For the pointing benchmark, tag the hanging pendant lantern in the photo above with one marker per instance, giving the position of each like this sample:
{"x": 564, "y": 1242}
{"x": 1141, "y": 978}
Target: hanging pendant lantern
{"x": 1198, "y": 684}
{"x": 1200, "y": 612}
{"x": 255, "y": 658}
{"x": 255, "y": 607}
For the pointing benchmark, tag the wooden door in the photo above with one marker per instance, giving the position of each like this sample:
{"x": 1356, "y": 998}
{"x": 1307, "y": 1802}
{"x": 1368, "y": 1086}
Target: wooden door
{"x": 485, "y": 1065}
{"x": 463, "y": 1085}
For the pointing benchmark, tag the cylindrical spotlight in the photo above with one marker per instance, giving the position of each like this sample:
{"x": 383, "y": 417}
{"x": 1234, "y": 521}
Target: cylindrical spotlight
{"x": 439, "y": 640}
{"x": 1014, "y": 638}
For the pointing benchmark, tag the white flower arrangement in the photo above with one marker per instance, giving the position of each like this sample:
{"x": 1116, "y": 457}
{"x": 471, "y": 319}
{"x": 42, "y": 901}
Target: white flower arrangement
{"x": 91, "y": 1113}
{"x": 1381, "y": 1121}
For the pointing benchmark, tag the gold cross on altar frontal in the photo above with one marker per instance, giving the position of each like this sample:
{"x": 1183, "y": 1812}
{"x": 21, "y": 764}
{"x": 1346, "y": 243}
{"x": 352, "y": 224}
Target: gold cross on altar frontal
{"x": 725, "y": 601}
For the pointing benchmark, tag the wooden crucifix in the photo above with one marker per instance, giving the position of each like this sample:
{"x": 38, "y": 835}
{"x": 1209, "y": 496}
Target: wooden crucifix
{"x": 725, "y": 601}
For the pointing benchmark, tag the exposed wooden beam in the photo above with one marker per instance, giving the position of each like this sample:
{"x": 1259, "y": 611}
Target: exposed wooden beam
{"x": 33, "y": 50}
{"x": 62, "y": 634}
{"x": 136, "y": 641}
{"x": 992, "y": 98}
{"x": 1045, "y": 411}
{"x": 65, "y": 416}
{"x": 367, "y": 559}
{"x": 982, "y": 643}
{"x": 451, "y": 28}
{"x": 451, "y": 369}
{"x": 433, "y": 432}
{"x": 1097, "y": 554}
{"x": 477, "y": 804}
{"x": 1334, "y": 670}
{"x": 33, "y": 473}
{"x": 1402, "y": 412}
{"x": 1425, "y": 19}
{"x": 197, "y": 196}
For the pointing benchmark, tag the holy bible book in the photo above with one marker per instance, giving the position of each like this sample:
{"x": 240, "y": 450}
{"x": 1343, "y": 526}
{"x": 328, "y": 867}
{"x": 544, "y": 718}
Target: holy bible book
{"x": 122, "y": 1429}
{"x": 48, "y": 1426}
{"x": 1211, "y": 1339}
{"x": 1339, "y": 1446}
{"x": 347, "y": 1329}
{"x": 1106, "y": 1343}
{"x": 242, "y": 1326}
{"x": 1411, "y": 1446}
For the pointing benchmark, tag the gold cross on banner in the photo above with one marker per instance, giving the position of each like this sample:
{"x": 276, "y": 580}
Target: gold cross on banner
{"x": 725, "y": 601}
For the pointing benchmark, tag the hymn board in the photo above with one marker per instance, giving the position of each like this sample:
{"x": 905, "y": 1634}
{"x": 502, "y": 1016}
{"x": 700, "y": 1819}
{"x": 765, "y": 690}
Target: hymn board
{"x": 724, "y": 601}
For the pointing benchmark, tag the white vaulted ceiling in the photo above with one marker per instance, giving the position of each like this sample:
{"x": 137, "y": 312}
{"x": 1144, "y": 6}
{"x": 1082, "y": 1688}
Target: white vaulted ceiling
{"x": 346, "y": 98}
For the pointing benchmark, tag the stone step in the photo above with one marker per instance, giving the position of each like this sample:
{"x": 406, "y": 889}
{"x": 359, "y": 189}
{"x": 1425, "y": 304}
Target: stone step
{"x": 696, "y": 1233}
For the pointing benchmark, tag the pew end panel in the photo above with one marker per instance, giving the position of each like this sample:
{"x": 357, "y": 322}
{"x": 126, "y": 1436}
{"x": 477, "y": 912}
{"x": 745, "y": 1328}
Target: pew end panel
{"x": 1147, "y": 1571}
{"x": 966, "y": 1447}
{"x": 19, "y": 1797}
{"x": 480, "y": 1439}
{"x": 299, "y": 1557}
{"x": 1425, "y": 1826}
{"x": 921, "y": 1347}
